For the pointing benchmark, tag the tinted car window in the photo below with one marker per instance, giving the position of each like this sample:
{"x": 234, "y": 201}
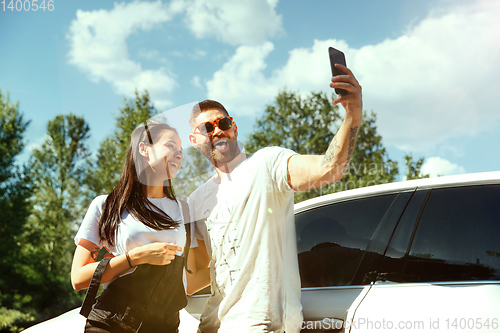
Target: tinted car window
{"x": 367, "y": 271}
{"x": 395, "y": 257}
{"x": 458, "y": 236}
{"x": 331, "y": 240}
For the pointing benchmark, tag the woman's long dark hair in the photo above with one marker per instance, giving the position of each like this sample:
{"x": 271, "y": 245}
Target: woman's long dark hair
{"x": 130, "y": 192}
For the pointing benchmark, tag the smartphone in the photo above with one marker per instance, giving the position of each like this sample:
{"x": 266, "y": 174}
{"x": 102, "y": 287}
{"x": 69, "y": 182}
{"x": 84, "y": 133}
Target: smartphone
{"x": 337, "y": 57}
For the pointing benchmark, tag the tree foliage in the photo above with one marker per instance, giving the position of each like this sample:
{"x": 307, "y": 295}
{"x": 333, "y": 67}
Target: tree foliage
{"x": 106, "y": 171}
{"x": 301, "y": 124}
{"x": 58, "y": 170}
{"x": 307, "y": 126}
{"x": 12, "y": 128}
{"x": 14, "y": 210}
{"x": 13, "y": 320}
{"x": 414, "y": 168}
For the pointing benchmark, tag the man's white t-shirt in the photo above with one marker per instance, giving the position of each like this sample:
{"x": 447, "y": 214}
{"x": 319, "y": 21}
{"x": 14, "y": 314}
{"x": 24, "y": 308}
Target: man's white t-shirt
{"x": 132, "y": 233}
{"x": 247, "y": 223}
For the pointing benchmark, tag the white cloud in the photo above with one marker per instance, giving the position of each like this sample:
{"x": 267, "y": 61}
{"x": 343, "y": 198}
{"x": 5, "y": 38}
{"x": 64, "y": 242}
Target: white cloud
{"x": 308, "y": 69}
{"x": 240, "y": 84}
{"x": 198, "y": 54}
{"x": 98, "y": 48}
{"x": 244, "y": 22}
{"x": 98, "y": 38}
{"x": 437, "y": 81}
{"x": 38, "y": 142}
{"x": 437, "y": 166}
{"x": 456, "y": 151}
{"x": 196, "y": 81}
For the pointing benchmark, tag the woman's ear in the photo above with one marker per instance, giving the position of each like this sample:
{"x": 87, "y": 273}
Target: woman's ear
{"x": 143, "y": 150}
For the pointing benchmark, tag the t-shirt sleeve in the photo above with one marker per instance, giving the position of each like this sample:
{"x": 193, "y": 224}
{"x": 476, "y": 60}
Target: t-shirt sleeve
{"x": 190, "y": 224}
{"x": 89, "y": 229}
{"x": 276, "y": 159}
{"x": 197, "y": 232}
{"x": 194, "y": 240}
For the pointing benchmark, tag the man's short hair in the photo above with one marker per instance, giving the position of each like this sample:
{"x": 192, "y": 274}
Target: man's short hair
{"x": 203, "y": 106}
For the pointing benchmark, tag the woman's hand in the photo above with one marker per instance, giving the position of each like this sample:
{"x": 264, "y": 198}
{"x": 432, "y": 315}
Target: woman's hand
{"x": 154, "y": 254}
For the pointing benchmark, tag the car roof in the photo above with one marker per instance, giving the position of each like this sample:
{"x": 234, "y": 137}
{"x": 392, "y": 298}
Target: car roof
{"x": 408, "y": 185}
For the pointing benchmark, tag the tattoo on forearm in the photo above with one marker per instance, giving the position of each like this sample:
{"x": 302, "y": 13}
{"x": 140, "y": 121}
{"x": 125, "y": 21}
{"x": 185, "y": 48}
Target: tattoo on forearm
{"x": 94, "y": 253}
{"x": 330, "y": 152}
{"x": 350, "y": 149}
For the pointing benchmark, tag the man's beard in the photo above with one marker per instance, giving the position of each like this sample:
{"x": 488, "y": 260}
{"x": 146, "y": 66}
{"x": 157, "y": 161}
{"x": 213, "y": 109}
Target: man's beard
{"x": 220, "y": 150}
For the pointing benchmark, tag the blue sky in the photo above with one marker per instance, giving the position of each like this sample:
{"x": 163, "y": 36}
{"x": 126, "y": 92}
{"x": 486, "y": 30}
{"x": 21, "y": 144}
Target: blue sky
{"x": 429, "y": 69}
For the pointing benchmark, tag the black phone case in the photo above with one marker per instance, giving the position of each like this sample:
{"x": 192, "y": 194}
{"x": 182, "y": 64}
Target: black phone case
{"x": 337, "y": 57}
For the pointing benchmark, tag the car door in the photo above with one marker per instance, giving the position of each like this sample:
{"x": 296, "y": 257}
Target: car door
{"x": 441, "y": 271}
{"x": 335, "y": 266}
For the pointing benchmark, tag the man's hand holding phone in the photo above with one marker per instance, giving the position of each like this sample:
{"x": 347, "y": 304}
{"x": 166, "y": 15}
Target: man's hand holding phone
{"x": 346, "y": 86}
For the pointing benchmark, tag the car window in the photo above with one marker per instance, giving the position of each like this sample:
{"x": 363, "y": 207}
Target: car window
{"x": 367, "y": 271}
{"x": 331, "y": 240}
{"x": 457, "y": 236}
{"x": 394, "y": 260}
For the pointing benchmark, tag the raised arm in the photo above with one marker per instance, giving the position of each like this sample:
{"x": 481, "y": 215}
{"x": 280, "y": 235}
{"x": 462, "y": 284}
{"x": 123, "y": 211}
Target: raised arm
{"x": 306, "y": 172}
{"x": 84, "y": 261}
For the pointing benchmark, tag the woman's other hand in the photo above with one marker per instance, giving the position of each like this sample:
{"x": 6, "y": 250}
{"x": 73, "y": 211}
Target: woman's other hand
{"x": 154, "y": 254}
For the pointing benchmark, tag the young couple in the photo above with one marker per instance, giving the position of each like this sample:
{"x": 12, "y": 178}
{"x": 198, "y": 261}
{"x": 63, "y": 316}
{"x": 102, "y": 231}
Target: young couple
{"x": 244, "y": 234}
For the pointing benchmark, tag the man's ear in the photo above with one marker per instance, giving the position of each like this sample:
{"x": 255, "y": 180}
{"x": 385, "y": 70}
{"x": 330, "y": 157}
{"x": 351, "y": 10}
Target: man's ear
{"x": 235, "y": 129}
{"x": 143, "y": 149}
{"x": 194, "y": 142}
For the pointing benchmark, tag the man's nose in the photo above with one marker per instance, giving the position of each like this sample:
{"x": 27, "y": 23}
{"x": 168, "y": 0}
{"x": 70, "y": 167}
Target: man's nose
{"x": 217, "y": 131}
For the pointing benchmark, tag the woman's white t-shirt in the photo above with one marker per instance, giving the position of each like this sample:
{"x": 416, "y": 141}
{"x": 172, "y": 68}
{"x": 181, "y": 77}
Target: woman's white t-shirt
{"x": 132, "y": 233}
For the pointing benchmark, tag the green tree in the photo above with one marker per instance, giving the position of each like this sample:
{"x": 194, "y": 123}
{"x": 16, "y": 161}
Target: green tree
{"x": 307, "y": 126}
{"x": 14, "y": 211}
{"x": 13, "y": 320}
{"x": 106, "y": 171}
{"x": 58, "y": 170}
{"x": 370, "y": 164}
{"x": 414, "y": 168}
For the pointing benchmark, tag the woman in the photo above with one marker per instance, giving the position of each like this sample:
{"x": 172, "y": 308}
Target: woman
{"x": 141, "y": 224}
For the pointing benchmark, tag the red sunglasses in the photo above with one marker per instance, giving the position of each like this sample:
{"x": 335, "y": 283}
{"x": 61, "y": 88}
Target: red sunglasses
{"x": 208, "y": 127}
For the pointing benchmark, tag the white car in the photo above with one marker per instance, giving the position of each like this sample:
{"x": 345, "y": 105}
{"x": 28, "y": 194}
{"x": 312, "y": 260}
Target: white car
{"x": 412, "y": 256}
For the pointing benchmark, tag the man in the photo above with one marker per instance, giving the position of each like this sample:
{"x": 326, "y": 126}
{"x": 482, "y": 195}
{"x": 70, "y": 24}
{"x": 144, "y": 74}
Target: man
{"x": 244, "y": 215}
